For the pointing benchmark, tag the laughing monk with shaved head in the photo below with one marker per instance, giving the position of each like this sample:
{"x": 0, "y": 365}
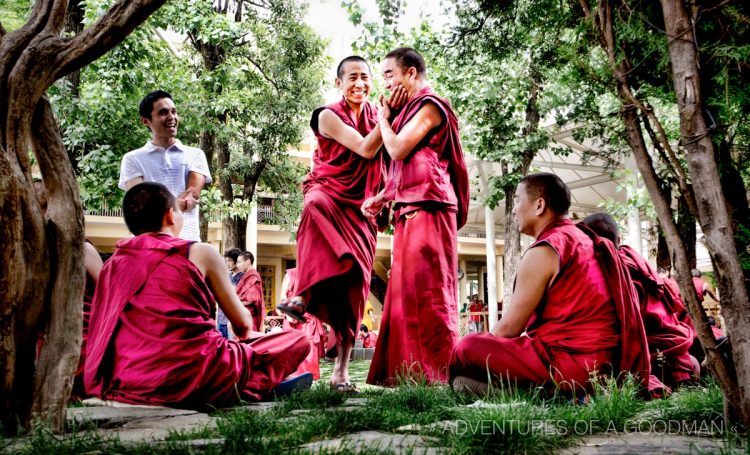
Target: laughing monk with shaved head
{"x": 573, "y": 311}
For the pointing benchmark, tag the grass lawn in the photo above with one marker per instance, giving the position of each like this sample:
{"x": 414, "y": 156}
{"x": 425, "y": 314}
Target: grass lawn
{"x": 507, "y": 422}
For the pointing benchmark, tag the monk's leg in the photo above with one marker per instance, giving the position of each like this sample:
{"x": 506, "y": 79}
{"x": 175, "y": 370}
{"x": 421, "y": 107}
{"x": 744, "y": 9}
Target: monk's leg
{"x": 275, "y": 357}
{"x": 487, "y": 358}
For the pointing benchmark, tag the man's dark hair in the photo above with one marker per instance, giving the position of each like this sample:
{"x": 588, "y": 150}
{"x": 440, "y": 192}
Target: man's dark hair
{"x": 248, "y": 256}
{"x": 147, "y": 103}
{"x": 351, "y": 58}
{"x": 363, "y": 328}
{"x": 604, "y": 226}
{"x": 549, "y": 187}
{"x": 144, "y": 206}
{"x": 406, "y": 57}
{"x": 696, "y": 273}
{"x": 233, "y": 254}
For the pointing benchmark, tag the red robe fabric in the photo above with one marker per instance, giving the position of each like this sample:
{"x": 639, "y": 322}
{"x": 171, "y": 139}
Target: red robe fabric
{"x": 151, "y": 340}
{"x": 250, "y": 292}
{"x": 430, "y": 190}
{"x": 588, "y": 321}
{"x": 669, "y": 339}
{"x": 313, "y": 330}
{"x": 335, "y": 242}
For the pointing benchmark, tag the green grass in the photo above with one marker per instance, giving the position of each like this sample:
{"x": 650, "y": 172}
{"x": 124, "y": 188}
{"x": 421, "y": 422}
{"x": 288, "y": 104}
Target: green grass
{"x": 507, "y": 422}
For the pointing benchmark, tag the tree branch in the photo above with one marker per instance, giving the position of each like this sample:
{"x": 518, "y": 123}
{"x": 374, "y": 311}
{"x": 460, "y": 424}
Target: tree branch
{"x": 110, "y": 30}
{"x": 713, "y": 8}
{"x": 263, "y": 73}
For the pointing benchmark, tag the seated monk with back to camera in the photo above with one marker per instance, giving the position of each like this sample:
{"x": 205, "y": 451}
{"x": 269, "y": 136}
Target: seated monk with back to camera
{"x": 669, "y": 339}
{"x": 151, "y": 338}
{"x": 573, "y": 311}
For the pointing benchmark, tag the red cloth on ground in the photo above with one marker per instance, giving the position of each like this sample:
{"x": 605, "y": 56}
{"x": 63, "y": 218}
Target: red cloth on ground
{"x": 250, "y": 292}
{"x": 335, "y": 241}
{"x": 312, "y": 328}
{"x": 430, "y": 190}
{"x": 151, "y": 340}
{"x": 588, "y": 320}
{"x": 669, "y": 340}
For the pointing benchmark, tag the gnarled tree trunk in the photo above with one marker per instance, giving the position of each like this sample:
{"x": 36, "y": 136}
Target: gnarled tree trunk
{"x": 714, "y": 218}
{"x": 41, "y": 258}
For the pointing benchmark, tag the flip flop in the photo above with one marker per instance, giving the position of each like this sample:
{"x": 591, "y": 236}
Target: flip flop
{"x": 301, "y": 382}
{"x": 345, "y": 387}
{"x": 291, "y": 307}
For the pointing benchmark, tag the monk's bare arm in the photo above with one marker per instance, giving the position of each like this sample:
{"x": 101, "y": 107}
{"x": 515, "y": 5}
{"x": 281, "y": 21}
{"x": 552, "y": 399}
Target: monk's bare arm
{"x": 537, "y": 268}
{"x": 92, "y": 261}
{"x": 209, "y": 261}
{"x": 400, "y": 145}
{"x": 331, "y": 126}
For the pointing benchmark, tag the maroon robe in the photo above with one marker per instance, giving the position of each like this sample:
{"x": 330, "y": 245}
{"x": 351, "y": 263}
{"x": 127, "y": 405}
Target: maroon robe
{"x": 313, "y": 330}
{"x": 587, "y": 321}
{"x": 669, "y": 339}
{"x": 335, "y": 241}
{"x": 430, "y": 192}
{"x": 250, "y": 292}
{"x": 152, "y": 341}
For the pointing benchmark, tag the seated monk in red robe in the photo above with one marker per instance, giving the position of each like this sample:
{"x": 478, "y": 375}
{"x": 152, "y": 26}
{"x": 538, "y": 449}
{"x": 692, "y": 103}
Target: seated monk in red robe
{"x": 429, "y": 187}
{"x": 250, "y": 289}
{"x": 669, "y": 339}
{"x": 573, "y": 312}
{"x": 151, "y": 338}
{"x": 312, "y": 328}
{"x": 335, "y": 241}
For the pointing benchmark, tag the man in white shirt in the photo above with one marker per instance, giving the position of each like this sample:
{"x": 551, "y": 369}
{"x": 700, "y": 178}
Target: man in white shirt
{"x": 164, "y": 159}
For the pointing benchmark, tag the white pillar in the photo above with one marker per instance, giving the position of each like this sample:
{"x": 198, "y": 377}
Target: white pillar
{"x": 634, "y": 218}
{"x": 499, "y": 279}
{"x": 489, "y": 226}
{"x": 251, "y": 232}
{"x": 462, "y": 285}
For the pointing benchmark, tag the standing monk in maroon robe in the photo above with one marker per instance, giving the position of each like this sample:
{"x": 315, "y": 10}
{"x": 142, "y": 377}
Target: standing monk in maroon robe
{"x": 669, "y": 340}
{"x": 151, "y": 338}
{"x": 428, "y": 184}
{"x": 573, "y": 310}
{"x": 250, "y": 289}
{"x": 335, "y": 241}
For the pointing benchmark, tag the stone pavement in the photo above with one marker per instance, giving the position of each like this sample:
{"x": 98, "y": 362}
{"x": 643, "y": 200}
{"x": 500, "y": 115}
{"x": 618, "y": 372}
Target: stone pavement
{"x": 133, "y": 424}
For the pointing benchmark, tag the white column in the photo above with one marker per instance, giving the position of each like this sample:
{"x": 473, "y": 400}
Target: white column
{"x": 499, "y": 277}
{"x": 251, "y": 232}
{"x": 489, "y": 226}
{"x": 462, "y": 285}
{"x": 634, "y": 218}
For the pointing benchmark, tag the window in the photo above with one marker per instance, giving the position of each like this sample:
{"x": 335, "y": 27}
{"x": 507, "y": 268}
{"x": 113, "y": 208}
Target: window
{"x": 268, "y": 275}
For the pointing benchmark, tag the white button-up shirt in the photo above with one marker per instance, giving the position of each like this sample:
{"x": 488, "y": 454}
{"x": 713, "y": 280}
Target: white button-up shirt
{"x": 170, "y": 167}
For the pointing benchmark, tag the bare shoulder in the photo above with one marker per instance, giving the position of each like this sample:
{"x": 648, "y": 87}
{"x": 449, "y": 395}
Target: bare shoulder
{"x": 540, "y": 260}
{"x": 204, "y": 256}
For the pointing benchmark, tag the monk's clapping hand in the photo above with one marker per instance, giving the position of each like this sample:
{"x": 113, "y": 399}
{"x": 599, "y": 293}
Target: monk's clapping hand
{"x": 372, "y": 206}
{"x": 397, "y": 99}
{"x": 384, "y": 112}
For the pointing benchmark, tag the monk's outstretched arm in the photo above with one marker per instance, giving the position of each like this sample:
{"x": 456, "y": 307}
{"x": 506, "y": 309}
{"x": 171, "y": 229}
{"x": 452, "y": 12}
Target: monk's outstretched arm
{"x": 331, "y": 126}
{"x": 92, "y": 261}
{"x": 400, "y": 145}
{"x": 209, "y": 261}
{"x": 537, "y": 268}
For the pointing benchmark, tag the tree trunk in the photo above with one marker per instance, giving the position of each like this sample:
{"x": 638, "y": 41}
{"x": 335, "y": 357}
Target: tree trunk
{"x": 714, "y": 218}
{"x": 686, "y": 228}
{"x": 41, "y": 258}
{"x": 512, "y": 255}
